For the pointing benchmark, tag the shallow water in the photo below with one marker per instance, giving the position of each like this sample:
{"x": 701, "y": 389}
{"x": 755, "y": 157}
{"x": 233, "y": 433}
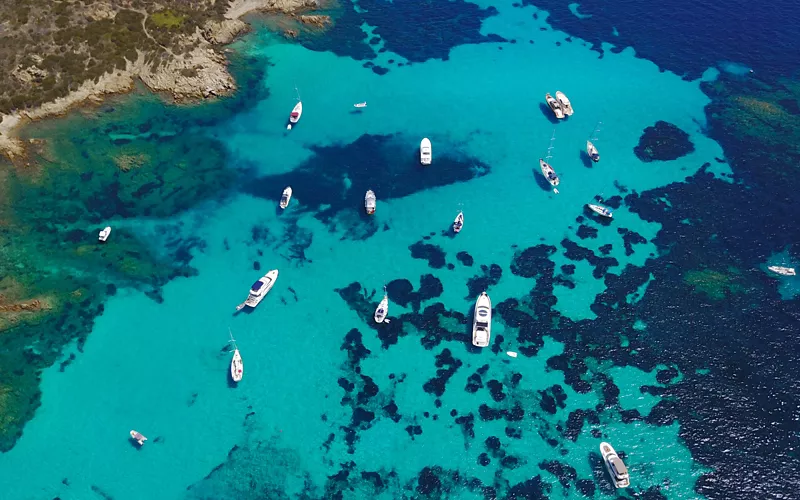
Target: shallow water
{"x": 307, "y": 420}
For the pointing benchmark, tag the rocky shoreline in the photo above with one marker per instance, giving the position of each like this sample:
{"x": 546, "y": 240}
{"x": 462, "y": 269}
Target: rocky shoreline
{"x": 199, "y": 73}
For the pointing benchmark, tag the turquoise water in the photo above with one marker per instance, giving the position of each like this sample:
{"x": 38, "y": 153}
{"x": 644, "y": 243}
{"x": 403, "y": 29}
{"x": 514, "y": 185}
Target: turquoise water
{"x": 160, "y": 368}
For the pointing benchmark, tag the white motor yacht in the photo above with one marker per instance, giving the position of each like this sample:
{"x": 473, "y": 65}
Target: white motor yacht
{"x": 592, "y": 151}
{"x": 425, "y": 152}
{"x": 458, "y": 223}
{"x": 138, "y": 437}
{"x": 370, "y": 202}
{"x": 566, "y": 106}
{"x": 554, "y": 106}
{"x": 259, "y": 290}
{"x": 549, "y": 173}
{"x": 600, "y": 210}
{"x": 295, "y": 115}
{"x": 616, "y": 469}
{"x": 361, "y": 104}
{"x": 383, "y": 308}
{"x": 482, "y": 322}
{"x": 784, "y": 271}
{"x": 104, "y": 234}
{"x": 286, "y": 197}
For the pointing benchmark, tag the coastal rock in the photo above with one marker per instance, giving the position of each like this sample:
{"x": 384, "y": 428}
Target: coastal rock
{"x": 663, "y": 142}
{"x": 223, "y": 32}
{"x": 318, "y": 21}
{"x": 200, "y": 73}
{"x": 290, "y": 33}
{"x": 238, "y": 8}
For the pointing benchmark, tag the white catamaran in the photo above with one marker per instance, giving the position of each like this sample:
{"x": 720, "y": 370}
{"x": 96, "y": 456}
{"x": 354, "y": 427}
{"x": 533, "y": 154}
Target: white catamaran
{"x": 259, "y": 290}
{"x": 383, "y": 308}
{"x": 547, "y": 171}
{"x": 237, "y": 365}
{"x": 482, "y": 321}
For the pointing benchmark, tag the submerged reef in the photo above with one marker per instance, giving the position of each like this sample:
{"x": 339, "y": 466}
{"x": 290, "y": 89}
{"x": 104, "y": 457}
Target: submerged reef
{"x": 663, "y": 142}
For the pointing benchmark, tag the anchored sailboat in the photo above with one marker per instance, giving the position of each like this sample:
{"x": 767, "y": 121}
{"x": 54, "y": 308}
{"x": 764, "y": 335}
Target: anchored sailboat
{"x": 591, "y": 150}
{"x": 296, "y": 113}
{"x": 237, "y": 365}
{"x": 383, "y": 308}
{"x": 547, "y": 171}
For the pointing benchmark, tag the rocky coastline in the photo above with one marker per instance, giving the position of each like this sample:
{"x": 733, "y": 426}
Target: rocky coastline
{"x": 199, "y": 72}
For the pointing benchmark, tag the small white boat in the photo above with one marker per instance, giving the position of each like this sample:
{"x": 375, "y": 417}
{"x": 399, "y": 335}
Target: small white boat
{"x": 285, "y": 197}
{"x": 566, "y": 106}
{"x": 600, "y": 210}
{"x": 592, "y": 151}
{"x": 138, "y": 437}
{"x": 554, "y": 106}
{"x": 369, "y": 202}
{"x": 783, "y": 271}
{"x": 104, "y": 234}
{"x": 616, "y": 469}
{"x": 458, "y": 223}
{"x": 295, "y": 115}
{"x": 259, "y": 290}
{"x": 425, "y": 153}
{"x": 482, "y": 321}
{"x": 383, "y": 308}
{"x": 361, "y": 105}
{"x": 549, "y": 173}
{"x": 511, "y": 354}
{"x": 237, "y": 365}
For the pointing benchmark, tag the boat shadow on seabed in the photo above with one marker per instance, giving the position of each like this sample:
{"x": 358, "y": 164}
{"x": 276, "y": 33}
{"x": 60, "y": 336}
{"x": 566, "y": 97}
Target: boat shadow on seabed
{"x": 548, "y": 113}
{"x": 586, "y": 159}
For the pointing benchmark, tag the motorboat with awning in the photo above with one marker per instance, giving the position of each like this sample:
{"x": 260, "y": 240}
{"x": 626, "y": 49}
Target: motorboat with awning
{"x": 370, "y": 202}
{"x": 259, "y": 290}
{"x": 482, "y": 321}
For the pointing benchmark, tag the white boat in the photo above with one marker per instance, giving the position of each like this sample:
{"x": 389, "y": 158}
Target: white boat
{"x": 511, "y": 354}
{"x": 482, "y": 321}
{"x": 297, "y": 111}
{"x": 458, "y": 223}
{"x": 369, "y": 202}
{"x": 784, "y": 271}
{"x": 616, "y": 469}
{"x": 104, "y": 234}
{"x": 237, "y": 365}
{"x": 566, "y": 106}
{"x": 549, "y": 173}
{"x": 259, "y": 290}
{"x": 592, "y": 151}
{"x": 361, "y": 105}
{"x": 425, "y": 153}
{"x": 285, "y": 197}
{"x": 600, "y": 210}
{"x": 383, "y": 308}
{"x": 138, "y": 437}
{"x": 554, "y": 105}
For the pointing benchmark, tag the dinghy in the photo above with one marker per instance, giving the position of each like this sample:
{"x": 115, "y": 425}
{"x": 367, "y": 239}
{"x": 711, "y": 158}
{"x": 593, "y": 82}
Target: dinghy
{"x": 370, "y": 202}
{"x": 566, "y": 106}
{"x": 600, "y": 210}
{"x": 104, "y": 234}
{"x": 286, "y": 197}
{"x": 138, "y": 437}
{"x": 458, "y": 223}
{"x": 592, "y": 151}
{"x": 482, "y": 321}
{"x": 425, "y": 153}
{"x": 554, "y": 106}
{"x": 237, "y": 365}
{"x": 361, "y": 105}
{"x": 615, "y": 467}
{"x": 783, "y": 271}
{"x": 383, "y": 308}
{"x": 259, "y": 290}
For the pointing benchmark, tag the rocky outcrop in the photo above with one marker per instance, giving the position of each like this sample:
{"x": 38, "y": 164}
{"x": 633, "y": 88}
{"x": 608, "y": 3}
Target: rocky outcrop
{"x": 238, "y": 8}
{"x": 223, "y": 32}
{"x": 318, "y": 21}
{"x": 200, "y": 73}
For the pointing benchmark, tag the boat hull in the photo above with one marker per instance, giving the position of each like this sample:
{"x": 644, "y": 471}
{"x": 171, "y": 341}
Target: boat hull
{"x": 566, "y": 106}
{"x": 608, "y": 453}
{"x": 268, "y": 281}
{"x": 286, "y": 198}
{"x": 783, "y": 271}
{"x": 482, "y": 321}
{"x": 555, "y": 107}
{"x": 546, "y": 170}
{"x": 104, "y": 234}
{"x": 237, "y": 366}
{"x": 592, "y": 152}
{"x": 138, "y": 437}
{"x": 370, "y": 202}
{"x": 295, "y": 115}
{"x": 425, "y": 152}
{"x": 458, "y": 223}
{"x": 601, "y": 211}
{"x": 382, "y": 310}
